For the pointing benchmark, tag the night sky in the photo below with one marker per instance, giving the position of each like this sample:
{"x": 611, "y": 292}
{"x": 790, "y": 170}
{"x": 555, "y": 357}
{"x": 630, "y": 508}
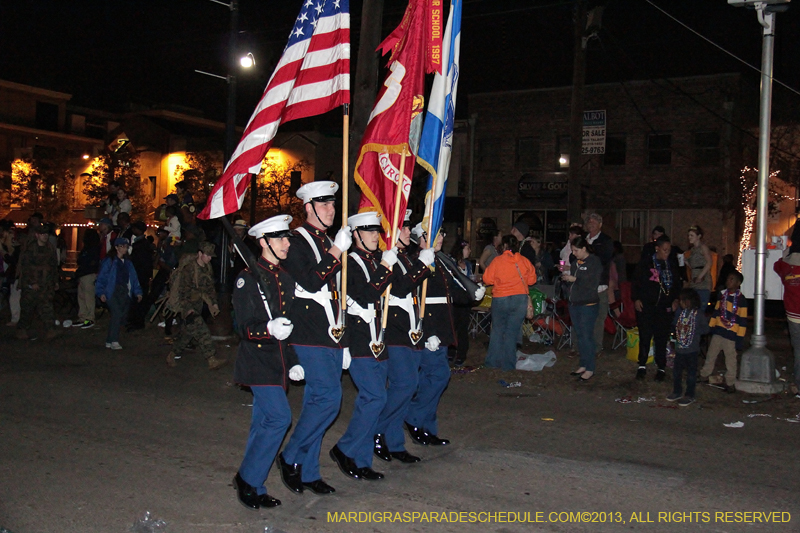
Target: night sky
{"x": 112, "y": 52}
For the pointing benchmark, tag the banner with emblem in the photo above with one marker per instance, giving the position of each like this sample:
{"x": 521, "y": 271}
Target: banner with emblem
{"x": 436, "y": 145}
{"x": 395, "y": 123}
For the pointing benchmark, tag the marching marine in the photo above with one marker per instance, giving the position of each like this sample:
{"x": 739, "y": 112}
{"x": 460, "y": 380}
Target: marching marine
{"x": 402, "y": 337}
{"x": 314, "y": 263}
{"x": 434, "y": 370}
{"x": 368, "y": 275}
{"x": 262, "y": 299}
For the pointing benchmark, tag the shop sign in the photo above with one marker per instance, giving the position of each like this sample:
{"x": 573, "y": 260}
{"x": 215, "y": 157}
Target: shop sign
{"x": 543, "y": 185}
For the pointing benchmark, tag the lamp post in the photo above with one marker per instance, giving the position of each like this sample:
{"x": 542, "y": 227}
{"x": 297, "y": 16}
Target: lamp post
{"x": 757, "y": 370}
{"x": 223, "y": 326}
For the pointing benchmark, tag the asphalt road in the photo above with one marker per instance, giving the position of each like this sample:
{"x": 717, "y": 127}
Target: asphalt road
{"x": 92, "y": 439}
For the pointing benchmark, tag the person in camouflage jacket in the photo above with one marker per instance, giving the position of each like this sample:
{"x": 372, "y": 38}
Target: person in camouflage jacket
{"x": 195, "y": 287}
{"x": 37, "y": 272}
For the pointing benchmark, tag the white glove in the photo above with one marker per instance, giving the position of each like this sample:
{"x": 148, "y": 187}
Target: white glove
{"x": 426, "y": 256}
{"x": 296, "y": 373}
{"x": 480, "y": 293}
{"x": 344, "y": 239}
{"x": 390, "y": 257}
{"x": 280, "y": 327}
{"x": 432, "y": 343}
{"x": 345, "y": 358}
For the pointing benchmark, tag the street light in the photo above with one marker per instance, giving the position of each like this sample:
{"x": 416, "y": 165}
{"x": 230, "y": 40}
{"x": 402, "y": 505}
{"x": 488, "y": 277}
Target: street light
{"x": 247, "y": 61}
{"x": 757, "y": 371}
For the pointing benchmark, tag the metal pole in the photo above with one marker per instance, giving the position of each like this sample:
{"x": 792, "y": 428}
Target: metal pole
{"x": 222, "y": 327}
{"x": 767, "y": 20}
{"x": 757, "y": 369}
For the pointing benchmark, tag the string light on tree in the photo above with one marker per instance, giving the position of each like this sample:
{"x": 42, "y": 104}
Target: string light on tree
{"x": 749, "y": 193}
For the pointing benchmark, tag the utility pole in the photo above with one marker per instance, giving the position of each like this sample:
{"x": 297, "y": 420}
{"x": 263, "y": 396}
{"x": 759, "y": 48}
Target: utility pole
{"x": 222, "y": 327}
{"x": 366, "y": 84}
{"x": 576, "y": 114}
{"x": 757, "y": 371}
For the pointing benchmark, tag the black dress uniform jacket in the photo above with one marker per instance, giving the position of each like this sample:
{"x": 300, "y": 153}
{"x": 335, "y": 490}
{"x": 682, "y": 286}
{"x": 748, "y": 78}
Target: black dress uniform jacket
{"x": 439, "y": 316}
{"x": 309, "y": 318}
{"x": 364, "y": 292}
{"x": 397, "y": 326}
{"x": 262, "y": 359}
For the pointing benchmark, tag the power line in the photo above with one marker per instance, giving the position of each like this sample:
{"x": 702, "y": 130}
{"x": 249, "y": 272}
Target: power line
{"x": 712, "y": 43}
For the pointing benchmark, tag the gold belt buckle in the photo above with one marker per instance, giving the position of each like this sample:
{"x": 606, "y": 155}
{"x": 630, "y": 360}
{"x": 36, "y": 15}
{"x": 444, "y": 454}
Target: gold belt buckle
{"x": 337, "y": 332}
{"x": 376, "y": 347}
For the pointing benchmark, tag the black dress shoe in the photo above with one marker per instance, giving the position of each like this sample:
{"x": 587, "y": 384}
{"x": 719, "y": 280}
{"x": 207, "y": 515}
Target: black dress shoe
{"x": 405, "y": 457}
{"x": 319, "y": 487}
{"x": 290, "y": 475}
{"x": 641, "y": 373}
{"x": 380, "y": 449}
{"x": 246, "y": 493}
{"x": 346, "y": 465}
{"x": 433, "y": 440}
{"x": 661, "y": 374}
{"x": 265, "y": 500}
{"x": 370, "y": 474}
{"x": 418, "y": 435}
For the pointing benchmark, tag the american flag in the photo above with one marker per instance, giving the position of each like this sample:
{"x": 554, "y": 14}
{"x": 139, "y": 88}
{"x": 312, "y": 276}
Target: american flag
{"x": 311, "y": 78}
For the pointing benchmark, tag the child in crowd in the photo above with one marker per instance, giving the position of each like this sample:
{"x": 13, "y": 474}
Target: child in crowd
{"x": 728, "y": 326}
{"x": 690, "y": 325}
{"x": 173, "y": 224}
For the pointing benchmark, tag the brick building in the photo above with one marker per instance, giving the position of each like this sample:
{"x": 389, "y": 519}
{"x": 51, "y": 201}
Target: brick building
{"x": 673, "y": 156}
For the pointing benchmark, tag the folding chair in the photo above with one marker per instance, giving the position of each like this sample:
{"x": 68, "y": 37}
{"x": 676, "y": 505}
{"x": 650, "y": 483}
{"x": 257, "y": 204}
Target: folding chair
{"x": 480, "y": 320}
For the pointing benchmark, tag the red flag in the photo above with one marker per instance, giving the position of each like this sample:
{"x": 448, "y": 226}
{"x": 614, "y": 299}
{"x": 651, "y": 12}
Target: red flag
{"x": 396, "y": 120}
{"x": 311, "y": 78}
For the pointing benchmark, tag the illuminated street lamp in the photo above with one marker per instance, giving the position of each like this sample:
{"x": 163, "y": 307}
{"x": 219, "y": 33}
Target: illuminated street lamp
{"x": 247, "y": 61}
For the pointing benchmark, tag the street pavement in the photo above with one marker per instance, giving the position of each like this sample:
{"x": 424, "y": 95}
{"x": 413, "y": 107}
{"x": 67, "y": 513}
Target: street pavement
{"x": 92, "y": 439}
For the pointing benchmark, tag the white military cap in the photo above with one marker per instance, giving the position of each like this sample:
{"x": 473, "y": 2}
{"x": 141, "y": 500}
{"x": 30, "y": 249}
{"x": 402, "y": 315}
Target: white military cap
{"x": 272, "y": 228}
{"x": 321, "y": 191}
{"x": 407, "y": 219}
{"x": 368, "y": 221}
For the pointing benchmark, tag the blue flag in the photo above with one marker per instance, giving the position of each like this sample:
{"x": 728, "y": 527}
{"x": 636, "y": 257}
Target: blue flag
{"x": 436, "y": 142}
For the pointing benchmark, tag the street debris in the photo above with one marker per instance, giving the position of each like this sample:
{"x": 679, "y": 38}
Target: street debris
{"x": 535, "y": 362}
{"x": 511, "y": 385}
{"x": 148, "y": 524}
{"x": 754, "y": 415}
{"x": 734, "y": 425}
{"x": 629, "y": 399}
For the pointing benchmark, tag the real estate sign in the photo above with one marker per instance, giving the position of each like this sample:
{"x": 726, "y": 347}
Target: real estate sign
{"x": 594, "y": 133}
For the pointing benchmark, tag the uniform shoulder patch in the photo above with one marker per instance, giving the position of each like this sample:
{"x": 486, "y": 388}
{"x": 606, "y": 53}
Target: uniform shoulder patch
{"x": 240, "y": 283}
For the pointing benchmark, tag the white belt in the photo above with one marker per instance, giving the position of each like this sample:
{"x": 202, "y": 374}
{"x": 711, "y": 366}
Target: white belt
{"x": 355, "y": 309}
{"x": 320, "y": 296}
{"x": 407, "y": 304}
{"x": 323, "y": 296}
{"x": 436, "y": 300}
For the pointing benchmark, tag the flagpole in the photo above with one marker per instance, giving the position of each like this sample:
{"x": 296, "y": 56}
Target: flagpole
{"x": 430, "y": 241}
{"x": 395, "y": 221}
{"x": 345, "y": 199}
